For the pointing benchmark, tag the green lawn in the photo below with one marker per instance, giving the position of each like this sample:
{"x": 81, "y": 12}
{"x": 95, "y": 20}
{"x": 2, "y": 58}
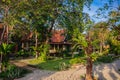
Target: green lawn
{"x": 56, "y": 64}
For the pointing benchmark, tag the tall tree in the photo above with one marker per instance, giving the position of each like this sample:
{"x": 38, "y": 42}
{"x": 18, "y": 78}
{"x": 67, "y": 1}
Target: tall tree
{"x": 86, "y": 42}
{"x": 101, "y": 33}
{"x": 44, "y": 15}
{"x": 7, "y": 10}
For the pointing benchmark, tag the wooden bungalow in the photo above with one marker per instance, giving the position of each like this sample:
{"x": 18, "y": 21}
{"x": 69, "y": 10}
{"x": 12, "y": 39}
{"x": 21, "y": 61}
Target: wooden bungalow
{"x": 27, "y": 40}
{"x": 58, "y": 42}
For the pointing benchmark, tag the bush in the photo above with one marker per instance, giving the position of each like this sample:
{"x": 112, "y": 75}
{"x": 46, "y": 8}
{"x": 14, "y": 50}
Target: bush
{"x": 63, "y": 66}
{"x": 43, "y": 56}
{"x": 105, "y": 59}
{"x": 114, "y": 47}
{"x": 23, "y": 53}
{"x": 44, "y": 51}
{"x": 77, "y": 60}
{"x": 13, "y": 72}
{"x": 66, "y": 54}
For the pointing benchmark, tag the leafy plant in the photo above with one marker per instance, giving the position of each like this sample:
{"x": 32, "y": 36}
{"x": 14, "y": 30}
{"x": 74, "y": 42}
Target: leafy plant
{"x": 63, "y": 66}
{"x": 77, "y": 61}
{"x": 23, "y": 53}
{"x": 44, "y": 49}
{"x": 94, "y": 56}
{"x": 105, "y": 59}
{"x": 114, "y": 46}
{"x": 13, "y": 72}
{"x": 5, "y": 49}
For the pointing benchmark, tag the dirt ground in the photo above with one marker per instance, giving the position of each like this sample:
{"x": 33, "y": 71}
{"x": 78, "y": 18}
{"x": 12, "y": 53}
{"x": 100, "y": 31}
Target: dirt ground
{"x": 107, "y": 71}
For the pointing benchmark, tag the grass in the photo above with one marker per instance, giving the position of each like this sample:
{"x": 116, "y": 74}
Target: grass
{"x": 56, "y": 64}
{"x": 61, "y": 63}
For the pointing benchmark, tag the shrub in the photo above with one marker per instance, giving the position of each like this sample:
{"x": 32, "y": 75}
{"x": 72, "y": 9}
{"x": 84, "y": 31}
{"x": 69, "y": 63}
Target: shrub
{"x": 42, "y": 51}
{"x": 5, "y": 49}
{"x": 77, "y": 60}
{"x": 23, "y": 53}
{"x": 105, "y": 59}
{"x": 66, "y": 53}
{"x": 13, "y": 72}
{"x": 63, "y": 66}
{"x": 94, "y": 56}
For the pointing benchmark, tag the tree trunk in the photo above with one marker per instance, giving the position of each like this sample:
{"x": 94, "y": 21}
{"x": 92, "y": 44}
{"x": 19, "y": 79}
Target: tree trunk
{"x": 1, "y": 61}
{"x": 88, "y": 51}
{"x": 36, "y": 44}
{"x": 2, "y": 36}
{"x": 89, "y": 69}
{"x": 37, "y": 55}
{"x": 7, "y": 35}
{"x": 49, "y": 31}
{"x": 100, "y": 47}
{"x": 47, "y": 40}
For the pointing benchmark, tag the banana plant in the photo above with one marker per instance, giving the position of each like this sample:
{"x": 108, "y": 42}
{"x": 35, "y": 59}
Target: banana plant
{"x": 5, "y": 49}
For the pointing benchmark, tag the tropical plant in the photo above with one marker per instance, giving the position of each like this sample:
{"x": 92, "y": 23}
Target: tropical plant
{"x": 41, "y": 51}
{"x": 86, "y": 43}
{"x": 44, "y": 51}
{"x": 12, "y": 72}
{"x": 5, "y": 49}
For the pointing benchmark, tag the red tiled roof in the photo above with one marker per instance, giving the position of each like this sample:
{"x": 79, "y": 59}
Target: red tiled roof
{"x": 58, "y": 36}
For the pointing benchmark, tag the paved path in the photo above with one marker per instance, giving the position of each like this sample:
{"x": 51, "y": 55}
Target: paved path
{"x": 103, "y": 71}
{"x": 23, "y": 65}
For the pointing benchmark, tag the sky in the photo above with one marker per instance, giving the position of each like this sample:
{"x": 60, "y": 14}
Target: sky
{"x": 96, "y": 4}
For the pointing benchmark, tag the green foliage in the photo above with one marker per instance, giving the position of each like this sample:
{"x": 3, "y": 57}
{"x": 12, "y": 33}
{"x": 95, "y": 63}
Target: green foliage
{"x": 66, "y": 53}
{"x": 79, "y": 38}
{"x": 13, "y": 72}
{"x": 105, "y": 59}
{"x": 23, "y": 53}
{"x": 44, "y": 50}
{"x": 63, "y": 66}
{"x": 20, "y": 53}
{"x": 102, "y": 57}
{"x": 115, "y": 47}
{"x": 77, "y": 60}
{"x": 5, "y": 49}
{"x": 34, "y": 50}
{"x": 94, "y": 56}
